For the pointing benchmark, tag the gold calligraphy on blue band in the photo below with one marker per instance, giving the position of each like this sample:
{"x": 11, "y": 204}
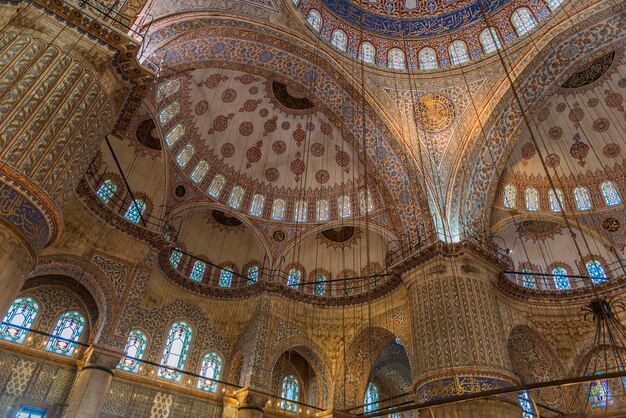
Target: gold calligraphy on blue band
{"x": 22, "y": 214}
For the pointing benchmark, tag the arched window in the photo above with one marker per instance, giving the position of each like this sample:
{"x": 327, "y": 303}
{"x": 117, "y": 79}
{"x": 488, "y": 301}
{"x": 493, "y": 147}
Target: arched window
{"x": 528, "y": 278}
{"x": 525, "y": 404}
{"x": 427, "y": 58}
{"x": 396, "y": 59}
{"x": 581, "y": 196}
{"x": 398, "y": 341}
{"x": 532, "y": 199}
{"x": 197, "y": 271}
{"x": 290, "y": 393}
{"x": 106, "y": 190}
{"x": 278, "y": 210}
{"x": 133, "y": 352}
{"x": 458, "y": 52}
{"x": 322, "y": 210}
{"x": 315, "y": 19}
{"x": 175, "y": 351}
{"x": 185, "y": 155}
{"x": 293, "y": 280}
{"x": 168, "y": 113}
{"x": 256, "y": 208}
{"x": 174, "y": 135}
{"x": 610, "y": 194}
{"x": 236, "y": 196}
{"x": 216, "y": 185}
{"x": 18, "y": 320}
{"x": 300, "y": 211}
{"x": 175, "y": 258}
{"x": 320, "y": 284}
{"x": 167, "y": 89}
{"x": 553, "y": 4}
{"x": 561, "y": 281}
{"x": 226, "y": 277}
{"x": 510, "y": 195}
{"x": 210, "y": 370}
{"x": 200, "y": 171}
{"x": 344, "y": 208}
{"x": 523, "y": 21}
{"x": 556, "y": 200}
{"x": 371, "y": 398}
{"x": 367, "y": 52}
{"x": 490, "y": 40}
{"x": 253, "y": 274}
{"x": 339, "y": 39}
{"x": 135, "y": 211}
{"x": 596, "y": 271}
{"x": 599, "y": 394}
{"x": 296, "y": 2}
{"x": 66, "y": 333}
{"x": 365, "y": 201}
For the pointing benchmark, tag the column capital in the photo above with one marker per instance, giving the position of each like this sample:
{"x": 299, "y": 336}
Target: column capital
{"x": 250, "y": 398}
{"x": 102, "y": 357}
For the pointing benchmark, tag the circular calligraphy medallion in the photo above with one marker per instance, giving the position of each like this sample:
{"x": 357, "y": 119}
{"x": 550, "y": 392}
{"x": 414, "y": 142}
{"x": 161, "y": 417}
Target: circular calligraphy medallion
{"x": 611, "y": 224}
{"x": 434, "y": 112}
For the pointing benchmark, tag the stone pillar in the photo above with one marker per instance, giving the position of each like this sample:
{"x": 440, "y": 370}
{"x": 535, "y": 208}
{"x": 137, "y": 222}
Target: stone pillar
{"x": 458, "y": 333}
{"x": 250, "y": 403}
{"x": 93, "y": 382}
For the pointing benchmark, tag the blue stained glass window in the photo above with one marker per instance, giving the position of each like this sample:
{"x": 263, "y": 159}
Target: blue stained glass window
{"x": 427, "y": 59}
{"x": 21, "y": 314}
{"x": 175, "y": 351}
{"x": 532, "y": 199}
{"x": 226, "y": 277}
{"x": 174, "y": 135}
{"x": 344, "y": 207}
{"x": 210, "y": 369}
{"x": 175, "y": 258}
{"x": 293, "y": 280}
{"x": 290, "y": 393}
{"x": 371, "y": 398}
{"x": 394, "y": 415}
{"x": 256, "y": 208}
{"x": 599, "y": 394}
{"x": 339, "y": 39}
{"x": 106, "y": 190}
{"x": 525, "y": 404}
{"x": 367, "y": 52}
{"x": 135, "y": 211}
{"x": 509, "y": 196}
{"x": 398, "y": 341}
{"x": 596, "y": 271}
{"x": 610, "y": 194}
{"x": 216, "y": 185}
{"x": 320, "y": 284}
{"x": 583, "y": 201}
{"x": 168, "y": 113}
{"x": 133, "y": 352}
{"x": 528, "y": 278}
{"x": 396, "y": 59}
{"x": 556, "y": 200}
{"x": 185, "y": 155}
{"x": 278, "y": 211}
{"x": 553, "y": 4}
{"x": 523, "y": 21}
{"x": 27, "y": 411}
{"x": 561, "y": 281}
{"x": 66, "y": 332}
{"x": 365, "y": 201}
{"x": 236, "y": 196}
{"x": 167, "y": 89}
{"x": 253, "y": 274}
{"x": 300, "y": 211}
{"x": 197, "y": 271}
{"x": 322, "y": 210}
{"x": 458, "y": 52}
{"x": 200, "y": 171}
{"x": 315, "y": 19}
{"x": 490, "y": 40}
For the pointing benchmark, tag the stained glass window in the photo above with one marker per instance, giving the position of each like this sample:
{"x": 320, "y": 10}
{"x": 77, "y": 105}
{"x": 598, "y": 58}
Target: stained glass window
{"x": 185, "y": 155}
{"x": 583, "y": 201}
{"x": 320, "y": 284}
{"x": 200, "y": 171}
{"x": 210, "y": 369}
{"x": 343, "y": 206}
{"x": 289, "y": 394}
{"x": 197, "y": 271}
{"x": 396, "y": 59}
{"x": 322, "y": 210}
{"x": 366, "y": 202}
{"x": 394, "y": 415}
{"x": 21, "y": 314}
{"x": 175, "y": 351}
{"x": 175, "y": 258}
{"x": 226, "y": 277}
{"x": 398, "y": 341}
{"x": 293, "y": 280}
{"x": 510, "y": 194}
{"x": 427, "y": 58}
{"x": 315, "y": 19}
{"x": 216, "y": 185}
{"x": 532, "y": 199}
{"x": 371, "y": 398}
{"x": 523, "y": 21}
{"x": 367, "y": 52}
{"x": 135, "y": 211}
{"x": 599, "y": 394}
{"x": 490, "y": 40}
{"x": 168, "y": 113}
{"x": 561, "y": 281}
{"x": 278, "y": 210}
{"x": 167, "y": 89}
{"x": 300, "y": 211}
{"x": 135, "y": 347}
{"x": 339, "y": 39}
{"x": 553, "y": 4}
{"x": 236, "y": 196}
{"x": 458, "y": 52}
{"x": 253, "y": 274}
{"x": 528, "y": 278}
{"x": 256, "y": 208}
{"x": 174, "y": 135}
{"x": 596, "y": 271}
{"x": 27, "y": 411}
{"x": 556, "y": 200}
{"x": 66, "y": 332}
{"x": 525, "y": 404}
{"x": 106, "y": 190}
{"x": 610, "y": 194}
{"x": 296, "y": 2}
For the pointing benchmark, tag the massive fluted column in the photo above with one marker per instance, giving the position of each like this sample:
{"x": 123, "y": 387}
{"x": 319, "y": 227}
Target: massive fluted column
{"x": 457, "y": 330}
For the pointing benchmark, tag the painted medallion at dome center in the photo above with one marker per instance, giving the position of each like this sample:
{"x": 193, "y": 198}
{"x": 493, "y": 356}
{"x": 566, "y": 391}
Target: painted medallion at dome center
{"x": 434, "y": 112}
